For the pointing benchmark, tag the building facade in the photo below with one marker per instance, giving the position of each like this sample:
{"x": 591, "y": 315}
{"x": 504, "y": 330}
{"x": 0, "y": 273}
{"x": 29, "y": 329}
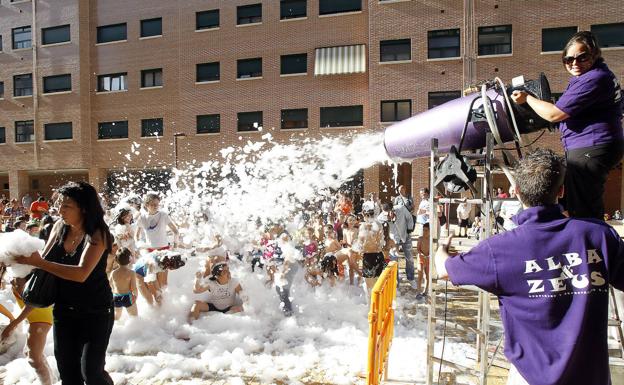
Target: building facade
{"x": 84, "y": 82}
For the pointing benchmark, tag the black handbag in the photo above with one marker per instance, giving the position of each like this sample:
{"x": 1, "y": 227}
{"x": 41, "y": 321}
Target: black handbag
{"x": 40, "y": 289}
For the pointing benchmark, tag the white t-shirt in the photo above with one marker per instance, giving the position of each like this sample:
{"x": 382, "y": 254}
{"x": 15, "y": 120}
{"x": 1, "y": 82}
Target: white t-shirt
{"x": 509, "y": 209}
{"x": 463, "y": 210}
{"x": 155, "y": 227}
{"x": 128, "y": 231}
{"x": 221, "y": 296}
{"x": 423, "y": 217}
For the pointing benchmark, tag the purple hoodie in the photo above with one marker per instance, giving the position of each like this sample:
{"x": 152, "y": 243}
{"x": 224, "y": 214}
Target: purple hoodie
{"x": 551, "y": 275}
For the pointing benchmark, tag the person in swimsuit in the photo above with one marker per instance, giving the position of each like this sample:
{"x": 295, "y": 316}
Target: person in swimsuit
{"x": 371, "y": 239}
{"x": 39, "y": 325}
{"x": 123, "y": 283}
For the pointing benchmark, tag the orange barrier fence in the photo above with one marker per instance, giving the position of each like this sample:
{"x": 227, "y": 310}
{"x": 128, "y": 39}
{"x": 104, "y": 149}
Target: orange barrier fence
{"x": 381, "y": 321}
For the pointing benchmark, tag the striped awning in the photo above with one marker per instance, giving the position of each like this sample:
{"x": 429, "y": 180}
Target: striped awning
{"x": 348, "y": 59}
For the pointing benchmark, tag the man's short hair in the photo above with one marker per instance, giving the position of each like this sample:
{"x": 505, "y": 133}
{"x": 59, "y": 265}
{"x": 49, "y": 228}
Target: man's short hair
{"x": 539, "y": 176}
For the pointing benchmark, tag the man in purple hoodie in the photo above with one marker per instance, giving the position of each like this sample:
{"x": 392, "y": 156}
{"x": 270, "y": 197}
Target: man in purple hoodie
{"x": 551, "y": 275}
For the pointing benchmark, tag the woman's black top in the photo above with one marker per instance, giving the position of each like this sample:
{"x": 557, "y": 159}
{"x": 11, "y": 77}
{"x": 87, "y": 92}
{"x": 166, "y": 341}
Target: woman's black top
{"x": 94, "y": 294}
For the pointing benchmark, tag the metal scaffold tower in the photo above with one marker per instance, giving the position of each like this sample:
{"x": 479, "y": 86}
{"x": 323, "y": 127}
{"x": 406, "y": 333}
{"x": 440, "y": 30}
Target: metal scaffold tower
{"x": 484, "y": 199}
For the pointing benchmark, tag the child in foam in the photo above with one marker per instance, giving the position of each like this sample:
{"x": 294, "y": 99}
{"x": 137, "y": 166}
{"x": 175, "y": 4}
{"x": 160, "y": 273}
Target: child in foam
{"x": 123, "y": 283}
{"x": 39, "y": 324}
{"x": 147, "y": 269}
{"x": 223, "y": 292}
{"x": 154, "y": 224}
{"x": 123, "y": 230}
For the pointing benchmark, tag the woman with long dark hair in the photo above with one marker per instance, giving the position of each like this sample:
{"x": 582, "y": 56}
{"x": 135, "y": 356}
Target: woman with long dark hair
{"x": 590, "y": 112}
{"x": 83, "y": 313}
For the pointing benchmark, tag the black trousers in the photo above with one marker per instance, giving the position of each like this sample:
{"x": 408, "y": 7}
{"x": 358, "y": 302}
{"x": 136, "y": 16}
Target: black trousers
{"x": 284, "y": 290}
{"x": 80, "y": 342}
{"x": 586, "y": 174}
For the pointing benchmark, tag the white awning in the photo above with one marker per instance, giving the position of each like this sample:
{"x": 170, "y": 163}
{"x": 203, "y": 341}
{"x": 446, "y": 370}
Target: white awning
{"x": 348, "y": 59}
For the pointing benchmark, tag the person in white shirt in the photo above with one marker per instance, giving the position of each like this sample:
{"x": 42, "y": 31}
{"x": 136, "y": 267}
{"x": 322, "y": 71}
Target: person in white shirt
{"x": 424, "y": 210}
{"x": 222, "y": 292}
{"x": 463, "y": 215}
{"x": 154, "y": 224}
{"x": 509, "y": 209}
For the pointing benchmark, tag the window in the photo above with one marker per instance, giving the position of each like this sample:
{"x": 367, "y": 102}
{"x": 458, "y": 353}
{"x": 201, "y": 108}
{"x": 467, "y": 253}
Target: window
{"x": 57, "y": 83}
{"x": 208, "y": 72}
{"x": 2, "y": 135}
{"x": 1, "y": 90}
{"x": 249, "y": 14}
{"x": 24, "y": 131}
{"x": 294, "y": 64}
{"x": 57, "y": 131}
{"x": 207, "y": 19}
{"x": 395, "y": 50}
{"x": 0, "y": 43}
{"x": 21, "y": 37}
{"x": 249, "y": 68}
{"x": 443, "y": 43}
{"x": 55, "y": 35}
{"x": 554, "y": 39}
{"x": 112, "y": 82}
{"x": 328, "y": 7}
{"x": 152, "y": 127}
{"x": 249, "y": 121}
{"x": 609, "y": 35}
{"x": 495, "y": 40}
{"x": 151, "y": 78}
{"x": 297, "y": 118}
{"x": 22, "y": 85}
{"x": 292, "y": 9}
{"x": 208, "y": 124}
{"x": 113, "y": 130}
{"x": 395, "y": 110}
{"x": 348, "y": 116}
{"x": 151, "y": 27}
{"x": 113, "y": 32}
{"x": 441, "y": 97}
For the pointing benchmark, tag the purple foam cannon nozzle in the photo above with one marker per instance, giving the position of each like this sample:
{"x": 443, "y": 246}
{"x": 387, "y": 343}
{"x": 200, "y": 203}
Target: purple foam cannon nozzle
{"x": 411, "y": 138}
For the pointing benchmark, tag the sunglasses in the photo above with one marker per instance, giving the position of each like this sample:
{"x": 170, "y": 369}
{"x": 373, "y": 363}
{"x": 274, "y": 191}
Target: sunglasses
{"x": 580, "y": 58}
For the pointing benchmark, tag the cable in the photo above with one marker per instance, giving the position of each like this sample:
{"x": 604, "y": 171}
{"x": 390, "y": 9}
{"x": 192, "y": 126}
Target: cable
{"x": 525, "y": 146}
{"x": 509, "y": 107}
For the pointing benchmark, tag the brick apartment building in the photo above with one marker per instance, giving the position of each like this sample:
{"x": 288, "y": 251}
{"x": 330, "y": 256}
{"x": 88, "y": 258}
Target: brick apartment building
{"x": 81, "y": 81}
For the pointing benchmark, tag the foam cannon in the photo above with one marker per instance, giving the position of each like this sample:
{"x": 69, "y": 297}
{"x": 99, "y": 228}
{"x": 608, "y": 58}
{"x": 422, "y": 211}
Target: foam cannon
{"x": 462, "y": 124}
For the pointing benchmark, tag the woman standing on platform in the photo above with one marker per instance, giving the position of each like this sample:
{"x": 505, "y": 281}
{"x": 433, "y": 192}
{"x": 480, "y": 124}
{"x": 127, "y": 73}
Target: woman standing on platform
{"x": 83, "y": 312}
{"x": 590, "y": 112}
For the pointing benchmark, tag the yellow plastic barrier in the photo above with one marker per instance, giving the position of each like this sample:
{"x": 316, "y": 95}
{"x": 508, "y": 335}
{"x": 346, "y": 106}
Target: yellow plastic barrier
{"x": 381, "y": 320}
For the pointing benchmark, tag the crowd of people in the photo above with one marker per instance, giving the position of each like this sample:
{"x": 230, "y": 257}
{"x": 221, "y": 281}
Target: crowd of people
{"x": 105, "y": 259}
